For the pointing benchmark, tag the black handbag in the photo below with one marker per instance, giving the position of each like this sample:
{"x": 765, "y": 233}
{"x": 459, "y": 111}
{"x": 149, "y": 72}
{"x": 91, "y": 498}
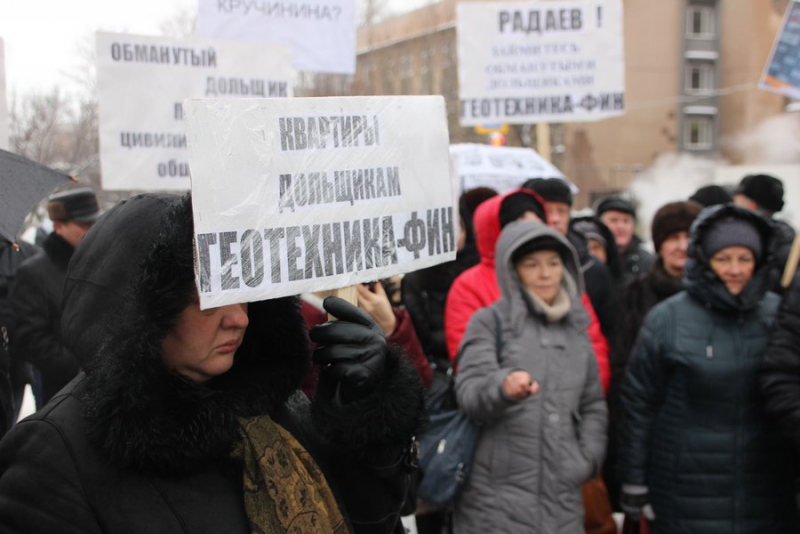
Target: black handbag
{"x": 447, "y": 444}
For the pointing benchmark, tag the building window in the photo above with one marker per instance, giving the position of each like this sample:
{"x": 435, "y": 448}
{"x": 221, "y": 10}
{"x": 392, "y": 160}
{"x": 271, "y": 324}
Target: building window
{"x": 699, "y": 77}
{"x": 366, "y": 72}
{"x": 388, "y": 78}
{"x": 406, "y": 74}
{"x": 700, "y": 22}
{"x": 699, "y": 133}
{"x": 426, "y": 76}
{"x": 447, "y": 58}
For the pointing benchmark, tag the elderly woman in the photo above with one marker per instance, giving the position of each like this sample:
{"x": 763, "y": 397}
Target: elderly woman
{"x": 190, "y": 420}
{"x": 540, "y": 399}
{"x": 698, "y": 454}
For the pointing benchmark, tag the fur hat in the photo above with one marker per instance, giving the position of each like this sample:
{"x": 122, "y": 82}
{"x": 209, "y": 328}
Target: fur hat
{"x": 78, "y": 205}
{"x": 671, "y": 218}
{"x": 764, "y": 190}
{"x": 614, "y": 203}
{"x": 711, "y": 195}
{"x": 515, "y": 204}
{"x": 472, "y": 198}
{"x": 731, "y": 232}
{"x": 550, "y": 189}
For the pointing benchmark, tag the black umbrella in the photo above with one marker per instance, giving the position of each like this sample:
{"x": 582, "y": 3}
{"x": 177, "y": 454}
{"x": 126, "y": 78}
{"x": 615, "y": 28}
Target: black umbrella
{"x": 23, "y": 184}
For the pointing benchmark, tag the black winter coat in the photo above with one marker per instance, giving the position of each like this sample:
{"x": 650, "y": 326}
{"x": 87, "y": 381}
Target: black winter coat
{"x": 10, "y": 260}
{"x": 13, "y": 372}
{"x": 636, "y": 260}
{"x": 780, "y": 376}
{"x": 638, "y": 298}
{"x": 695, "y": 431}
{"x": 600, "y": 286}
{"x": 424, "y": 296}
{"x": 131, "y": 447}
{"x": 36, "y": 297}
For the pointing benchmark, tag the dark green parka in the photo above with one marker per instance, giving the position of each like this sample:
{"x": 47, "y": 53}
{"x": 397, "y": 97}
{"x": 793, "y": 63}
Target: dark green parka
{"x": 695, "y": 431}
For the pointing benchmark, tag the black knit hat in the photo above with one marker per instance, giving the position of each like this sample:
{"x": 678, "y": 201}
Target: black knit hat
{"x": 539, "y": 243}
{"x": 550, "y": 189}
{"x": 671, "y": 218}
{"x": 764, "y": 190}
{"x": 711, "y": 195}
{"x": 614, "y": 203}
{"x": 515, "y": 204}
{"x": 731, "y": 232}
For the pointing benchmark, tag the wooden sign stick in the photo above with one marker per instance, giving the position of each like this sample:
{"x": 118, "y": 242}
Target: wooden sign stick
{"x": 791, "y": 263}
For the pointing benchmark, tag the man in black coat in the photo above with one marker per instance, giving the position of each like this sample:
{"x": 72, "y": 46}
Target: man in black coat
{"x": 620, "y": 217}
{"x": 37, "y": 289}
{"x": 763, "y": 194}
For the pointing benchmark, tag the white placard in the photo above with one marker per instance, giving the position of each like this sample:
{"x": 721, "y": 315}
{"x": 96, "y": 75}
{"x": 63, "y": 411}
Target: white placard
{"x": 321, "y": 33}
{"x": 3, "y": 103}
{"x": 142, "y": 82}
{"x": 309, "y": 194}
{"x": 540, "y": 61}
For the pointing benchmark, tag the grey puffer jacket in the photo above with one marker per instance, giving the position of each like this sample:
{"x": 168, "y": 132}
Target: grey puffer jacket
{"x": 532, "y": 455}
{"x": 695, "y": 431}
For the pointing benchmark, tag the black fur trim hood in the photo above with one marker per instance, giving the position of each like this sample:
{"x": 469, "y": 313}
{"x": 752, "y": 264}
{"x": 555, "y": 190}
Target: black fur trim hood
{"x": 127, "y": 283}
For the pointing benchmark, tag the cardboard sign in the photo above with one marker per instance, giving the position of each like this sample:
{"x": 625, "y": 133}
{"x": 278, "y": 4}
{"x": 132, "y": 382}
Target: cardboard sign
{"x": 310, "y": 194}
{"x": 3, "y": 109}
{"x": 501, "y": 168}
{"x": 543, "y": 61}
{"x": 321, "y": 33}
{"x": 142, "y": 83}
{"x": 782, "y": 74}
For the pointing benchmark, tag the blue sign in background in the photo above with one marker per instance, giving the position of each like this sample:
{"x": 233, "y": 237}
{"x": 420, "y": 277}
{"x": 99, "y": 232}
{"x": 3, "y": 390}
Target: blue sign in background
{"x": 783, "y": 71}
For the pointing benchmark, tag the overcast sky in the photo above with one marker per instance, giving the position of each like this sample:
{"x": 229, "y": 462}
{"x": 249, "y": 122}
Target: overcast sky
{"x": 43, "y": 38}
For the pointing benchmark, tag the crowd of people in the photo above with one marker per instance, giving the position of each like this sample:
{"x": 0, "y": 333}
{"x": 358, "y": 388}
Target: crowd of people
{"x": 663, "y": 380}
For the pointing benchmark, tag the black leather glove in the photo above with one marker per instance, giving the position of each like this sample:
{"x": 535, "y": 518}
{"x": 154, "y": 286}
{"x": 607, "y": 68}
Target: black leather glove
{"x": 352, "y": 351}
{"x": 635, "y": 502}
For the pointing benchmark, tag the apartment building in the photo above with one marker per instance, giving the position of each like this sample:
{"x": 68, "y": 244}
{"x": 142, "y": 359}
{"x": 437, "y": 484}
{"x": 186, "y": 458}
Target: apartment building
{"x": 692, "y": 69}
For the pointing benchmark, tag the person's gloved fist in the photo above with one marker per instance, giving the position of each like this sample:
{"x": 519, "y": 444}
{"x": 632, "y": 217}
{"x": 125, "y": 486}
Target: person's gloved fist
{"x": 635, "y": 502}
{"x": 352, "y": 351}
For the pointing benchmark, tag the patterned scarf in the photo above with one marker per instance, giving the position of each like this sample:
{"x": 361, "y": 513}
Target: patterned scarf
{"x": 284, "y": 489}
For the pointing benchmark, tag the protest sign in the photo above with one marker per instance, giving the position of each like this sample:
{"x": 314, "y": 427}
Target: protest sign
{"x": 782, "y": 74}
{"x": 539, "y": 62}
{"x": 501, "y": 168}
{"x": 320, "y": 33}
{"x": 3, "y": 104}
{"x": 309, "y": 194}
{"x": 142, "y": 82}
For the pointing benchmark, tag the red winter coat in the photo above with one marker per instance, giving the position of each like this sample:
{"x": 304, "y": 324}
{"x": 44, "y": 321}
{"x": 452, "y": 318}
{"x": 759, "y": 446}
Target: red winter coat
{"x": 477, "y": 288}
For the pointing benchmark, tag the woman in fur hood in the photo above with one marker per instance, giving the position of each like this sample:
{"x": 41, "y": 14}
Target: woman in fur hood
{"x": 190, "y": 420}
